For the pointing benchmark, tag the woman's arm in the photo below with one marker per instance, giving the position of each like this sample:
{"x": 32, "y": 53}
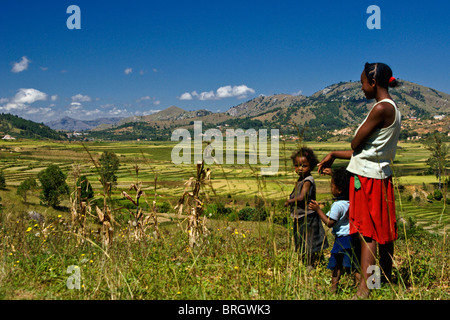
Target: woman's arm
{"x": 381, "y": 116}
{"x": 327, "y": 162}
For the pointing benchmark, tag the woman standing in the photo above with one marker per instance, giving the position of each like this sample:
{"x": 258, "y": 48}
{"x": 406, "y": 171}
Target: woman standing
{"x": 372, "y": 206}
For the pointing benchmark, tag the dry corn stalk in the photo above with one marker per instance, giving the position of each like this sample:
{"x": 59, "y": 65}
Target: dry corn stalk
{"x": 106, "y": 218}
{"x": 140, "y": 223}
{"x": 190, "y": 201}
{"x": 78, "y": 214}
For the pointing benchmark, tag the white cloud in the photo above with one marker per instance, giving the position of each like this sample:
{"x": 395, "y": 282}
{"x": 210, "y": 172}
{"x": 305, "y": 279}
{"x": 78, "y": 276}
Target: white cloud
{"x": 28, "y": 96}
{"x": 143, "y": 99}
{"x": 46, "y": 111}
{"x": 3, "y": 100}
{"x": 128, "y": 70}
{"x": 185, "y": 96}
{"x": 80, "y": 98}
{"x": 23, "y": 98}
{"x": 239, "y": 92}
{"x": 20, "y": 66}
{"x": 75, "y": 106}
{"x": 92, "y": 112}
{"x": 54, "y": 97}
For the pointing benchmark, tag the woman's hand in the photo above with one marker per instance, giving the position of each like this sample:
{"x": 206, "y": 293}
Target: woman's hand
{"x": 326, "y": 163}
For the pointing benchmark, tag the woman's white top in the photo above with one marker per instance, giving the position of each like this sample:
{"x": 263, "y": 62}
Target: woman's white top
{"x": 375, "y": 158}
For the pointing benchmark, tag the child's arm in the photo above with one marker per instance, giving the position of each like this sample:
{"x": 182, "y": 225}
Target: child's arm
{"x": 301, "y": 196}
{"x": 327, "y": 220}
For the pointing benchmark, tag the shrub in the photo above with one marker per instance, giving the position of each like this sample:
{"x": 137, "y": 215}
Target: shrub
{"x": 86, "y": 188}
{"x": 164, "y": 207}
{"x": 54, "y": 185}
{"x": 2, "y": 180}
{"x": 437, "y": 194}
{"x": 252, "y": 214}
{"x": 26, "y": 185}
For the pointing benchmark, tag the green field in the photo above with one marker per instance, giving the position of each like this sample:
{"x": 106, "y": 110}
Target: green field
{"x": 239, "y": 259}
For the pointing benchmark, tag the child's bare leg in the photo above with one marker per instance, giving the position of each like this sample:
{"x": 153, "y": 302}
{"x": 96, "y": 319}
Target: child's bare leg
{"x": 368, "y": 250}
{"x": 335, "y": 276}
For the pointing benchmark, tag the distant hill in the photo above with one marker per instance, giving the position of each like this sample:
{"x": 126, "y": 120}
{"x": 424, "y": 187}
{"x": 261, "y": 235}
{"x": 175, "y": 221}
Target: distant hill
{"x": 336, "y": 107}
{"x": 18, "y": 127}
{"x": 172, "y": 113}
{"x": 341, "y": 104}
{"x": 69, "y": 124}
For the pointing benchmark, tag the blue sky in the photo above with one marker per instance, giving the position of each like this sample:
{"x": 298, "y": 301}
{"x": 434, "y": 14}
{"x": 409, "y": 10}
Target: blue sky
{"x": 136, "y": 57}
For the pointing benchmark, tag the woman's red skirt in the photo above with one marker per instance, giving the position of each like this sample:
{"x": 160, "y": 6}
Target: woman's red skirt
{"x": 372, "y": 209}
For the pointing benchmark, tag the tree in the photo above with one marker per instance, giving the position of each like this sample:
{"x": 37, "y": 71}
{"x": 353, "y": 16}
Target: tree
{"x": 27, "y": 185}
{"x": 109, "y": 163}
{"x": 54, "y": 185}
{"x": 438, "y": 160}
{"x": 86, "y": 188}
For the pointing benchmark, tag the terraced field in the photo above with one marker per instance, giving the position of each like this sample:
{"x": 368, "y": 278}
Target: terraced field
{"x": 241, "y": 183}
{"x": 433, "y": 217}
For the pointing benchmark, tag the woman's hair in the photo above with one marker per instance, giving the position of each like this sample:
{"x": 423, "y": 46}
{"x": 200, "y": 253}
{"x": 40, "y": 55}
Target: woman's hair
{"x": 308, "y": 154}
{"x": 341, "y": 179}
{"x": 382, "y": 73}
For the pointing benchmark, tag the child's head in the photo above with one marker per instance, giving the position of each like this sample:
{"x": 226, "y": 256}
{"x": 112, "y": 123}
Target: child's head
{"x": 340, "y": 183}
{"x": 304, "y": 161}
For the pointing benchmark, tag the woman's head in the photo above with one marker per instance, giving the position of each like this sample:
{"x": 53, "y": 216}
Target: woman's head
{"x": 381, "y": 73}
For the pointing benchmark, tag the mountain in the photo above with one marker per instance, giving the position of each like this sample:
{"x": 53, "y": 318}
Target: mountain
{"x": 69, "y": 124}
{"x": 264, "y": 104}
{"x": 172, "y": 113}
{"x": 335, "y": 108}
{"x": 343, "y": 103}
{"x": 338, "y": 108}
{"x": 18, "y": 127}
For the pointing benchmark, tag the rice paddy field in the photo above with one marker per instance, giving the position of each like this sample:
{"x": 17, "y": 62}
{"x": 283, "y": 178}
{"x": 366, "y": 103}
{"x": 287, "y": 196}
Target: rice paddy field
{"x": 235, "y": 257}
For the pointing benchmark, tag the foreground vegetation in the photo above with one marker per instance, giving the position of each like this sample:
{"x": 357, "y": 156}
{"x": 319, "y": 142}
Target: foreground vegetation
{"x": 237, "y": 257}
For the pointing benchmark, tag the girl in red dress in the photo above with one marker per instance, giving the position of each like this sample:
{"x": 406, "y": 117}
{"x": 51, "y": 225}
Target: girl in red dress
{"x": 372, "y": 207}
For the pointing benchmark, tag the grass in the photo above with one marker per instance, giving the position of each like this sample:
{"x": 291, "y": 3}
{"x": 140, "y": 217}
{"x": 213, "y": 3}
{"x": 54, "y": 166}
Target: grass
{"x": 249, "y": 260}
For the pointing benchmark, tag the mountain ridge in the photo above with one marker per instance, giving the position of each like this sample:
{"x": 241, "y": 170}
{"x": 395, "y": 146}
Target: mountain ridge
{"x": 334, "y": 107}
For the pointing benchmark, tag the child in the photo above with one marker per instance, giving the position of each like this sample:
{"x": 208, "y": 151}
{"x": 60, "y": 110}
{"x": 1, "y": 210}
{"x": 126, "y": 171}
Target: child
{"x": 342, "y": 258}
{"x": 372, "y": 204}
{"x": 309, "y": 235}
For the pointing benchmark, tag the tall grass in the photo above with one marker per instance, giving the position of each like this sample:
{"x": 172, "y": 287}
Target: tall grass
{"x": 236, "y": 260}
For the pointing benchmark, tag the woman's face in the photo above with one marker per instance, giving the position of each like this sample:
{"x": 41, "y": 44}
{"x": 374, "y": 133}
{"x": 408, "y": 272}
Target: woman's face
{"x": 367, "y": 86}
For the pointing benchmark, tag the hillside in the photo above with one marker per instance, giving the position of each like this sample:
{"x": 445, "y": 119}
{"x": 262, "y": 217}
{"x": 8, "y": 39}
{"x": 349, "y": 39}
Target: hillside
{"x": 342, "y": 104}
{"x": 336, "y": 108}
{"x": 333, "y": 111}
{"x": 20, "y": 128}
{"x": 170, "y": 114}
{"x": 69, "y": 124}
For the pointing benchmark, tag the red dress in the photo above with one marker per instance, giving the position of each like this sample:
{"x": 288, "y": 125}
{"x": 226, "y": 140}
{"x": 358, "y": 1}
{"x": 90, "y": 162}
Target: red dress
{"x": 372, "y": 209}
